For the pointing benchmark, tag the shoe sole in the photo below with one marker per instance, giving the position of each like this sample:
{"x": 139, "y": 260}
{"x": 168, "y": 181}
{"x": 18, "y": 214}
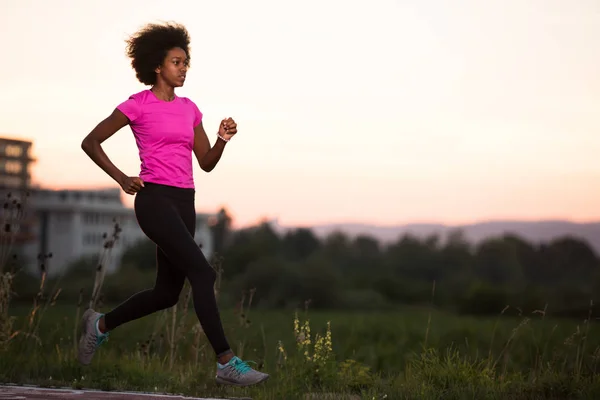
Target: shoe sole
{"x": 84, "y": 319}
{"x": 222, "y": 381}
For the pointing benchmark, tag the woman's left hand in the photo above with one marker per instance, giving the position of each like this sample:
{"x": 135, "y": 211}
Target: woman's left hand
{"x": 228, "y": 128}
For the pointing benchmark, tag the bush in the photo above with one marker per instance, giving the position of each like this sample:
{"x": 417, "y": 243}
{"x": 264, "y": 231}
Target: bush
{"x": 482, "y": 298}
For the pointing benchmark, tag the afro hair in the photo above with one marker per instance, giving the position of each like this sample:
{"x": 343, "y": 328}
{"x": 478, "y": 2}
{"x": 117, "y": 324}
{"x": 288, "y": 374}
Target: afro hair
{"x": 148, "y": 47}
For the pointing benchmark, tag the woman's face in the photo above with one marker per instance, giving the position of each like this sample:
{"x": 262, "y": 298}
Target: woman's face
{"x": 174, "y": 67}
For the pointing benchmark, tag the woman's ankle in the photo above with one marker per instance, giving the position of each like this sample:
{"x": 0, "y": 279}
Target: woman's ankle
{"x": 225, "y": 357}
{"x": 102, "y": 325}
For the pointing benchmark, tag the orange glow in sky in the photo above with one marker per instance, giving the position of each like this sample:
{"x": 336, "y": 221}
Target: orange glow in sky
{"x": 383, "y": 112}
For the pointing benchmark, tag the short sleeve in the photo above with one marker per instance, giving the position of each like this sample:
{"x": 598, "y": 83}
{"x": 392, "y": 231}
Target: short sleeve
{"x": 130, "y": 108}
{"x": 197, "y": 114}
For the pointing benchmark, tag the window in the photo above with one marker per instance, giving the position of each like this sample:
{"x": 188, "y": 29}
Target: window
{"x": 13, "y": 150}
{"x": 13, "y": 167}
{"x": 93, "y": 238}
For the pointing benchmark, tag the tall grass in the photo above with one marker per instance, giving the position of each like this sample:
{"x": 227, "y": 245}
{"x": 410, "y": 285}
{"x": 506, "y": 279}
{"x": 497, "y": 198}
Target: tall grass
{"x": 424, "y": 354}
{"x": 11, "y": 216}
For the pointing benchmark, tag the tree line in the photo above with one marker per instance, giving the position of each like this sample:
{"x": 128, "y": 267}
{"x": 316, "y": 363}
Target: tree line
{"x": 338, "y": 271}
{"x": 560, "y": 277}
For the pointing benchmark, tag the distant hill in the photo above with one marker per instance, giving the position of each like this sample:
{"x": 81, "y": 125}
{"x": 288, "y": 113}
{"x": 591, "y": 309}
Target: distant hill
{"x": 536, "y": 232}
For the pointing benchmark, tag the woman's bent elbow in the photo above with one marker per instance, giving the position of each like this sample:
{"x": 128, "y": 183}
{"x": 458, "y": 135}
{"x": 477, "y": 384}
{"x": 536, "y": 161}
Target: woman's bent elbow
{"x": 87, "y": 145}
{"x": 206, "y": 168}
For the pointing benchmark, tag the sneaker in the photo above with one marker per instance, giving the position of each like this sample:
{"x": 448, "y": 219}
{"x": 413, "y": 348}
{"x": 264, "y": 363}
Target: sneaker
{"x": 91, "y": 337}
{"x": 238, "y": 373}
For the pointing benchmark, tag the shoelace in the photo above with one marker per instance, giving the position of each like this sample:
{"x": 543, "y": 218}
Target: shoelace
{"x": 242, "y": 367}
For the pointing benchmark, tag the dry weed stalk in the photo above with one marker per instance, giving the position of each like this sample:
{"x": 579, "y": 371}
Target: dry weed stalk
{"x": 171, "y": 336}
{"x": 178, "y": 325}
{"x": 10, "y": 219}
{"x": 11, "y": 216}
{"x": 6, "y": 322}
{"x": 183, "y": 318}
{"x": 429, "y": 315}
{"x": 244, "y": 312}
{"x": 217, "y": 265}
{"x": 103, "y": 262}
{"x": 77, "y": 314}
{"x": 244, "y": 321}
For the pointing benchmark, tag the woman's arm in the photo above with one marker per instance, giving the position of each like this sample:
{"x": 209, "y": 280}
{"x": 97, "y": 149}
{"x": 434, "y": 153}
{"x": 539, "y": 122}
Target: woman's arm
{"x": 207, "y": 156}
{"x": 92, "y": 146}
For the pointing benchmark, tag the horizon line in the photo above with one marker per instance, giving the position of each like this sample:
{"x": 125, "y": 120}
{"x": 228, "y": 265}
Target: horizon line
{"x": 433, "y": 224}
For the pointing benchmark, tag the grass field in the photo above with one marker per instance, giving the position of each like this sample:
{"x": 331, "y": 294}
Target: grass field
{"x": 407, "y": 354}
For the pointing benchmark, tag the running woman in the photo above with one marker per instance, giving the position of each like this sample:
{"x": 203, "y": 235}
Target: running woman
{"x": 167, "y": 130}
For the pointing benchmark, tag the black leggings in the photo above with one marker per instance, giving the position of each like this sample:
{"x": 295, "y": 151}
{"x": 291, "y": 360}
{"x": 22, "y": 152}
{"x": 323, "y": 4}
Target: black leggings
{"x": 167, "y": 215}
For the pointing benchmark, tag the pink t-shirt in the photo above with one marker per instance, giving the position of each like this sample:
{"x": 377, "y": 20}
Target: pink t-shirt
{"x": 164, "y": 133}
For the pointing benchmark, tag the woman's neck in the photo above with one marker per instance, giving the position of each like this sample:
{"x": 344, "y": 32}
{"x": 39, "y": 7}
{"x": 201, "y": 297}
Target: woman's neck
{"x": 163, "y": 92}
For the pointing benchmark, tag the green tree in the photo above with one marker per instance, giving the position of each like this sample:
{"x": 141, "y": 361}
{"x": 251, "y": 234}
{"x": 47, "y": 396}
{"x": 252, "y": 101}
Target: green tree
{"x": 415, "y": 259}
{"x": 299, "y": 244}
{"x": 250, "y": 245}
{"x": 568, "y": 260}
{"x": 497, "y": 262}
{"x": 221, "y": 230}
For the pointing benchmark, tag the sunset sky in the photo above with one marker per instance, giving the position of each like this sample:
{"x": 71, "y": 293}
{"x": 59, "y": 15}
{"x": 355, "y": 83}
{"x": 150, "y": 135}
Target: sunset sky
{"x": 382, "y": 112}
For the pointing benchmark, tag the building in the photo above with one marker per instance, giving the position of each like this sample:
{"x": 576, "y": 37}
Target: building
{"x": 15, "y": 180}
{"x": 72, "y": 224}
{"x": 15, "y": 162}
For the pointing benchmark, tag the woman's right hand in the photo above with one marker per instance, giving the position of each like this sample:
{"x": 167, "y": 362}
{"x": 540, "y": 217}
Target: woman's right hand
{"x": 132, "y": 184}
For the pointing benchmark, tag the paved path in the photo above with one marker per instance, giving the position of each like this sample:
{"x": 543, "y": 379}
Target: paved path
{"x": 36, "y": 393}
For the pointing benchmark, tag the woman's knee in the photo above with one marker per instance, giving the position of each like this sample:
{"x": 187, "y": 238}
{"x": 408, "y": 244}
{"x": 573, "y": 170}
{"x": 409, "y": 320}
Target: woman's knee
{"x": 165, "y": 298}
{"x": 201, "y": 270}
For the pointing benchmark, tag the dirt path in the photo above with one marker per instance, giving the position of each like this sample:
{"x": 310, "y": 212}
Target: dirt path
{"x": 35, "y": 393}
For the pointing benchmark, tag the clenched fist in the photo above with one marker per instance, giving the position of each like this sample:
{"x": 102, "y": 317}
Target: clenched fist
{"x": 132, "y": 184}
{"x": 228, "y": 128}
